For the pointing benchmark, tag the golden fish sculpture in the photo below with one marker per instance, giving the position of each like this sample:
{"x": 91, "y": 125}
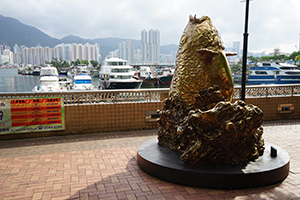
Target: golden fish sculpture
{"x": 200, "y": 62}
{"x": 198, "y": 119}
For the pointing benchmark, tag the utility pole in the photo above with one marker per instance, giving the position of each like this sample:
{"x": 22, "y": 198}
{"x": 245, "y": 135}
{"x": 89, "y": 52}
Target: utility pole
{"x": 245, "y": 49}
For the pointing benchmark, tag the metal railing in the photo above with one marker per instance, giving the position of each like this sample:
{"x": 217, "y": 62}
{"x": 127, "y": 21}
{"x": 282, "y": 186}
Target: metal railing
{"x": 149, "y": 95}
{"x": 98, "y": 96}
{"x": 254, "y": 91}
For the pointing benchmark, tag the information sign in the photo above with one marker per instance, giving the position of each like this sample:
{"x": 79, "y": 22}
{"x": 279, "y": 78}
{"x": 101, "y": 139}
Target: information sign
{"x": 23, "y": 115}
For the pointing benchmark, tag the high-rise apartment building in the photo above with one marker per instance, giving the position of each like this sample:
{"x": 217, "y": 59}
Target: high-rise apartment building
{"x": 236, "y": 48}
{"x": 144, "y": 45}
{"x": 67, "y": 52}
{"x": 1, "y": 49}
{"x": 150, "y": 50}
{"x": 130, "y": 50}
{"x": 154, "y": 45}
{"x": 126, "y": 50}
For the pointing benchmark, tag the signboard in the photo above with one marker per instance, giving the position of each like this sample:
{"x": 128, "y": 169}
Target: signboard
{"x": 23, "y": 115}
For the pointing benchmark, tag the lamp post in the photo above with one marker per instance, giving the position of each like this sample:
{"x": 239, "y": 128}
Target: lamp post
{"x": 245, "y": 49}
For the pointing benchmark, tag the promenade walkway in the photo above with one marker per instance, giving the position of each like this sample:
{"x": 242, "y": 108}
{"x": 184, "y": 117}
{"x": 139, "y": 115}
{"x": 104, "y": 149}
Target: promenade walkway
{"x": 104, "y": 166}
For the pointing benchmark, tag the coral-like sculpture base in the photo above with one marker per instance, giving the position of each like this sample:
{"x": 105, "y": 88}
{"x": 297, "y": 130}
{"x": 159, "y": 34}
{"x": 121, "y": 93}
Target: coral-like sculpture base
{"x": 227, "y": 133}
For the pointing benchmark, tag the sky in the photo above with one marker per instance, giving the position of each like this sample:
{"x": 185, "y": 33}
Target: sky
{"x": 272, "y": 23}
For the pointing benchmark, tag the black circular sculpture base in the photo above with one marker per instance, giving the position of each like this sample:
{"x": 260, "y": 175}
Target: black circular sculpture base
{"x": 165, "y": 164}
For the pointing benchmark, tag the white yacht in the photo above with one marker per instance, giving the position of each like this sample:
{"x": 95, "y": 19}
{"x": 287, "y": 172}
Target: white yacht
{"x": 64, "y": 79}
{"x": 83, "y": 81}
{"x": 81, "y": 69}
{"x": 274, "y": 73}
{"x": 48, "y": 80}
{"x": 116, "y": 73}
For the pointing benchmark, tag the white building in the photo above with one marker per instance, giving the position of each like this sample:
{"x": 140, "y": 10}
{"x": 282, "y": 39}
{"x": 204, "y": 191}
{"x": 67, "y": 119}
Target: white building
{"x": 126, "y": 50}
{"x": 7, "y": 57}
{"x": 154, "y": 45}
{"x": 144, "y": 46}
{"x": 150, "y": 49}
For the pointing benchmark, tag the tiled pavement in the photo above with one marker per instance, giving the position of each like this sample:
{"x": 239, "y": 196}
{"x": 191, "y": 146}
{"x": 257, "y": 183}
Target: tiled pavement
{"x": 104, "y": 166}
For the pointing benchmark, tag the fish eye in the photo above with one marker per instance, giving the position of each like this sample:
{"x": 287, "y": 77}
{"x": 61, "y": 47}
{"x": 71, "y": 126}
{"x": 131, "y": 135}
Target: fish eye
{"x": 183, "y": 39}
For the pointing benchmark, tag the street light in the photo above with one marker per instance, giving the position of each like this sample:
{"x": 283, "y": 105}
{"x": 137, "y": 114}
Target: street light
{"x": 245, "y": 49}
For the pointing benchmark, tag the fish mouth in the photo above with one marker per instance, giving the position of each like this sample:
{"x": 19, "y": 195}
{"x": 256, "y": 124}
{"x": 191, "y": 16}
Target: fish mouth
{"x": 196, "y": 20}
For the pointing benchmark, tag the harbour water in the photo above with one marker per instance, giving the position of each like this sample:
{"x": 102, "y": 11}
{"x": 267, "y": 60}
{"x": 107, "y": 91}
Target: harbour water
{"x": 11, "y": 81}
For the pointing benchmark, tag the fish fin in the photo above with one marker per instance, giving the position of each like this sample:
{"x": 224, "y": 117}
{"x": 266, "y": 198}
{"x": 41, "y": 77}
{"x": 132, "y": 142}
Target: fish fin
{"x": 207, "y": 52}
{"x": 207, "y": 55}
{"x": 230, "y": 53}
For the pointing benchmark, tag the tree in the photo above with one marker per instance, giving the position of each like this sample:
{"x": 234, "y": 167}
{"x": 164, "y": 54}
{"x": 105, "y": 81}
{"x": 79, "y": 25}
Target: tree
{"x": 56, "y": 63}
{"x": 297, "y": 58}
{"x": 294, "y": 56}
{"x": 252, "y": 59}
{"x": 85, "y": 62}
{"x": 65, "y": 64}
{"x": 78, "y": 62}
{"x": 236, "y": 68}
{"x": 94, "y": 63}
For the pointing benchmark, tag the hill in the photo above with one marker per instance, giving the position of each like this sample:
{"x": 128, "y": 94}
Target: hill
{"x": 14, "y": 32}
{"x": 167, "y": 49}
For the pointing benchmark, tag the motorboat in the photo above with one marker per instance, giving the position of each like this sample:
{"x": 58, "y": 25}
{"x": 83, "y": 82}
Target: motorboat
{"x": 164, "y": 76}
{"x": 64, "y": 79}
{"x": 116, "y": 73}
{"x": 81, "y": 69}
{"x": 145, "y": 73}
{"x": 237, "y": 78}
{"x": 83, "y": 81}
{"x": 274, "y": 73}
{"x": 49, "y": 81}
{"x": 36, "y": 71}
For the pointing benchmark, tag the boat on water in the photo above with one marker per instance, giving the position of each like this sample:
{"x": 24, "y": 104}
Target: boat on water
{"x": 25, "y": 72}
{"x": 274, "y": 73}
{"x": 116, "y": 73}
{"x": 237, "y": 78}
{"x": 49, "y": 81}
{"x": 81, "y": 69}
{"x": 36, "y": 71}
{"x": 64, "y": 79}
{"x": 164, "y": 76}
{"x": 83, "y": 81}
{"x": 145, "y": 73}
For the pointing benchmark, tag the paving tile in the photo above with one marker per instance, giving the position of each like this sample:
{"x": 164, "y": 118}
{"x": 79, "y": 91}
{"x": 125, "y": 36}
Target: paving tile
{"x": 103, "y": 166}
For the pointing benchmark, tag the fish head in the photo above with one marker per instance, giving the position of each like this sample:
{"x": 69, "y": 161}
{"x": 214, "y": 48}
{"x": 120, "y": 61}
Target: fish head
{"x": 200, "y": 33}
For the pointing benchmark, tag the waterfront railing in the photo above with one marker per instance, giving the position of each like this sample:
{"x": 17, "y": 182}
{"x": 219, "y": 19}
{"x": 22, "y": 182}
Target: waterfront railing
{"x": 97, "y": 96}
{"x": 150, "y": 95}
{"x": 255, "y": 91}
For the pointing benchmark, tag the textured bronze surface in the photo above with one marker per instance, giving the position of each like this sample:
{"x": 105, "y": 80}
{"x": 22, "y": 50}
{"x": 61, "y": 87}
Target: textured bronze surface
{"x": 200, "y": 62}
{"x": 198, "y": 118}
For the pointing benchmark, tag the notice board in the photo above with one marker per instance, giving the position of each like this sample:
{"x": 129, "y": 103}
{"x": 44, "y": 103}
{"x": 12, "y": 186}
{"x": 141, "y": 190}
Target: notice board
{"x": 36, "y": 114}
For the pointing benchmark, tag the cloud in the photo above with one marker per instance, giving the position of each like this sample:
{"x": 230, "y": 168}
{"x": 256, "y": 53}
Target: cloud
{"x": 272, "y": 23}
